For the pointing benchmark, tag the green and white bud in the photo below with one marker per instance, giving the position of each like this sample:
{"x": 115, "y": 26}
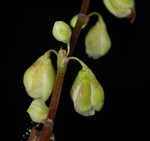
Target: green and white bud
{"x": 61, "y": 60}
{"x": 62, "y": 31}
{"x": 120, "y": 8}
{"x": 87, "y": 93}
{"x": 39, "y": 78}
{"x": 74, "y": 21}
{"x": 38, "y": 111}
{"x": 97, "y": 40}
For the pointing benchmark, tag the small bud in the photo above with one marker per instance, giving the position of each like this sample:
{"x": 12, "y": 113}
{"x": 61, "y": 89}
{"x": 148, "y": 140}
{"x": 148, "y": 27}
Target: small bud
{"x": 38, "y": 110}
{"x": 62, "y": 31}
{"x": 120, "y": 8}
{"x": 74, "y": 21}
{"x": 39, "y": 78}
{"x": 87, "y": 93}
{"x": 61, "y": 60}
{"x": 97, "y": 41}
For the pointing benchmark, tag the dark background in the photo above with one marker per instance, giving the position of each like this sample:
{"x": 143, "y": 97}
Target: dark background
{"x": 122, "y": 72}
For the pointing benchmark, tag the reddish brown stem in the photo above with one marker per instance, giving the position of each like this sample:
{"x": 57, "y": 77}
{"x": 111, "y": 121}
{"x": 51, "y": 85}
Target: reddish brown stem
{"x": 76, "y": 31}
{"x": 85, "y": 6}
{"x": 47, "y": 130}
{"x": 81, "y": 20}
{"x": 56, "y": 95}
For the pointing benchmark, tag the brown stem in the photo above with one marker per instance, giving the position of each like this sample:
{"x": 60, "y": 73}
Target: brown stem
{"x": 81, "y": 21}
{"x": 56, "y": 95}
{"x": 47, "y": 129}
{"x": 85, "y": 6}
{"x": 76, "y": 31}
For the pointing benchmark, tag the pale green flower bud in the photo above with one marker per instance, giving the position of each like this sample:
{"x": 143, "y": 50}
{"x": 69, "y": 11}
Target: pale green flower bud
{"x": 38, "y": 110}
{"x": 39, "y": 78}
{"x": 62, "y": 31}
{"x": 97, "y": 41}
{"x": 74, "y": 21}
{"x": 61, "y": 60}
{"x": 120, "y": 8}
{"x": 87, "y": 93}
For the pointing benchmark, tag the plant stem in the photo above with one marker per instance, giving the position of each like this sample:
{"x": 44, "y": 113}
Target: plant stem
{"x": 82, "y": 19}
{"x": 47, "y": 129}
{"x": 85, "y": 6}
{"x": 56, "y": 95}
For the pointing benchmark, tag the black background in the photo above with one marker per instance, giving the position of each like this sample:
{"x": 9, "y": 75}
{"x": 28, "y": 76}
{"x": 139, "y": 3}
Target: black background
{"x": 122, "y": 72}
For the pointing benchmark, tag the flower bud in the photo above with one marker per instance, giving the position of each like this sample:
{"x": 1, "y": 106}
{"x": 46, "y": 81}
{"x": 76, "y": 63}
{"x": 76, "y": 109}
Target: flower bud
{"x": 38, "y": 110}
{"x": 61, "y": 60}
{"x": 62, "y": 31}
{"x": 39, "y": 78}
{"x": 120, "y": 8}
{"x": 97, "y": 41}
{"x": 74, "y": 21}
{"x": 87, "y": 93}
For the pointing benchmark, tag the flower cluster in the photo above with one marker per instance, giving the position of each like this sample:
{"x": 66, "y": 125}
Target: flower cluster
{"x": 86, "y": 93}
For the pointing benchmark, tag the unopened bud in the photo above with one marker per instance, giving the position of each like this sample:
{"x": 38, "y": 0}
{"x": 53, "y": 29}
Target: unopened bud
{"x": 38, "y": 110}
{"x": 97, "y": 41}
{"x": 39, "y": 78}
{"x": 74, "y": 21}
{"x": 120, "y": 8}
{"x": 62, "y": 31}
{"x": 87, "y": 93}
